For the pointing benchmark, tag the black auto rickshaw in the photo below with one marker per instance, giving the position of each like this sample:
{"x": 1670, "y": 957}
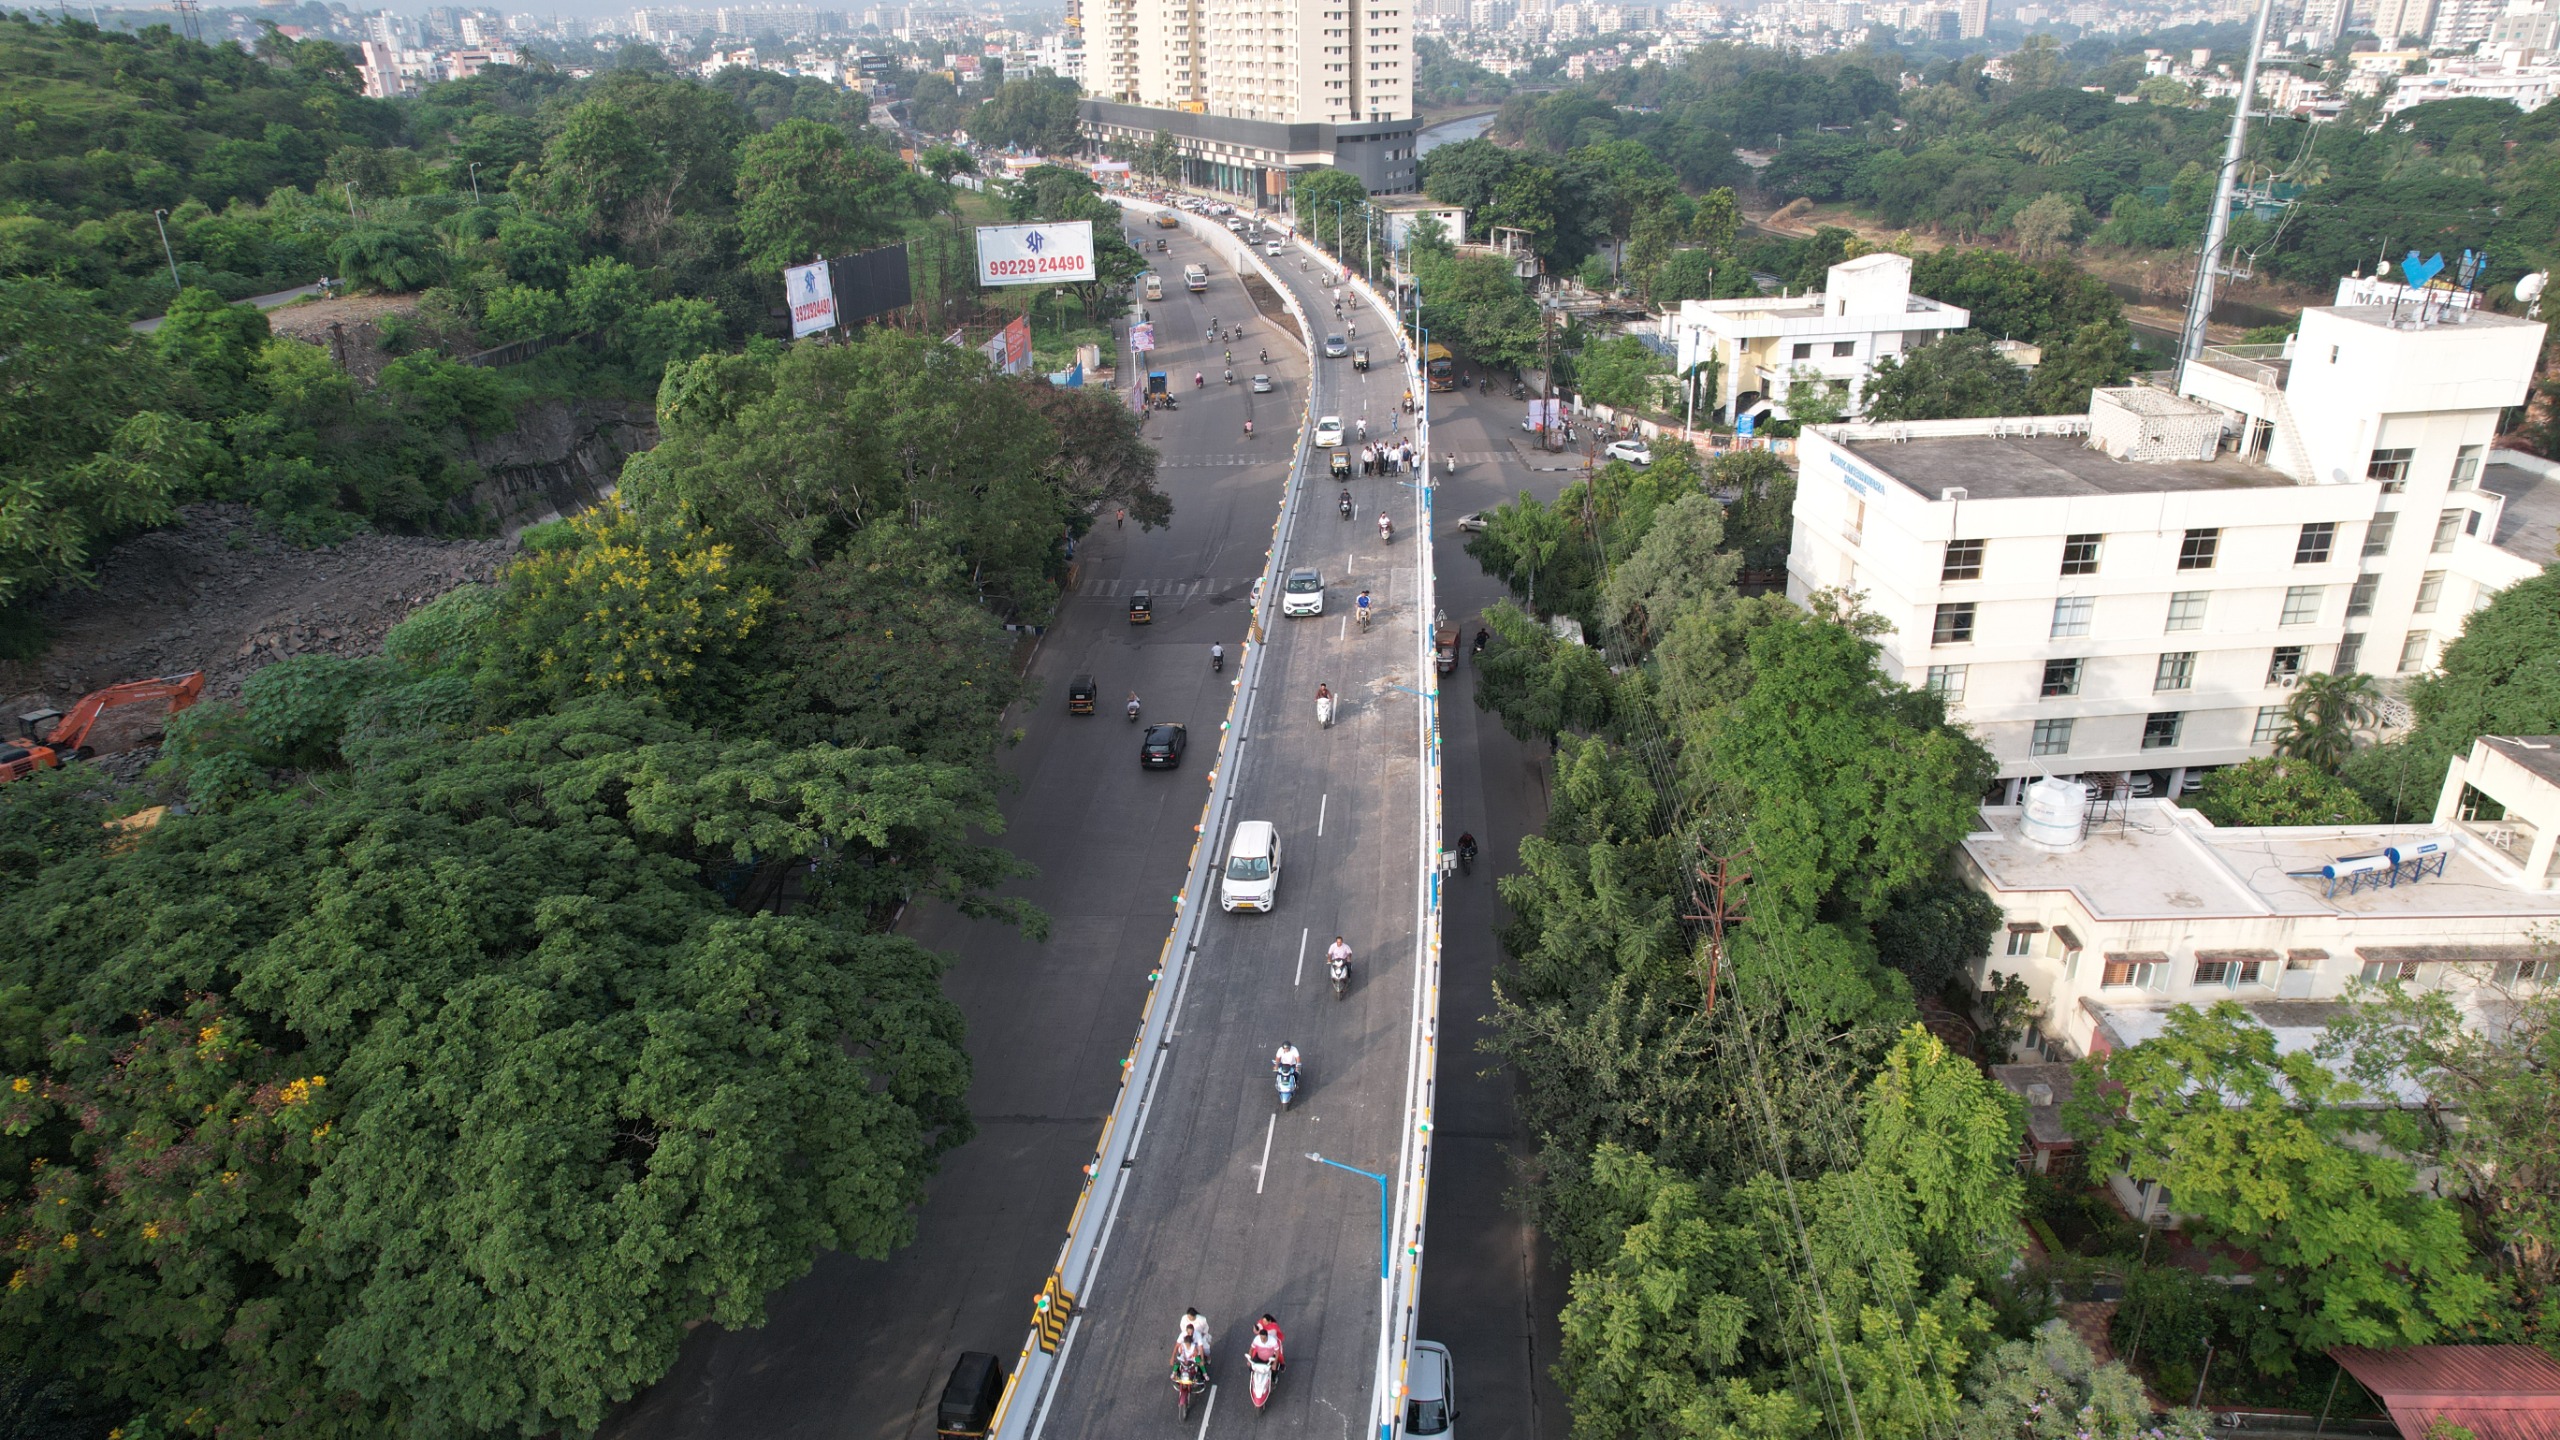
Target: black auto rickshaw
{"x": 970, "y": 1398}
{"x": 1080, "y": 695}
{"x": 1340, "y": 464}
{"x": 1142, "y": 608}
{"x": 1164, "y": 247}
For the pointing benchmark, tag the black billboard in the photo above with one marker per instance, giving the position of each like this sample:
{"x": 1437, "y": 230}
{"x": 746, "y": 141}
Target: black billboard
{"x": 871, "y": 283}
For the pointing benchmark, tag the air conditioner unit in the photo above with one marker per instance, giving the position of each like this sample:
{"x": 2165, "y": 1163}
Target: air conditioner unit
{"x": 2287, "y": 682}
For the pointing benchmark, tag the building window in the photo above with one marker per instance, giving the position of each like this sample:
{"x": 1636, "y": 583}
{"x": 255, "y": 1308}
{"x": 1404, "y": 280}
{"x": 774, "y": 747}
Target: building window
{"x": 1853, "y": 522}
{"x": 2430, "y": 590}
{"x": 2186, "y": 610}
{"x": 2466, "y": 467}
{"x": 2250, "y": 970}
{"x": 2177, "y": 671}
{"x": 2377, "y": 535}
{"x": 2413, "y": 652}
{"x": 2123, "y": 970}
{"x": 1947, "y": 683}
{"x": 2052, "y": 737}
{"x": 2213, "y": 972}
{"x": 2383, "y": 972}
{"x": 2301, "y": 605}
{"x": 2360, "y": 598}
{"x": 2080, "y": 554}
{"x": 2022, "y": 941}
{"x": 1804, "y": 350}
{"x": 2160, "y": 729}
{"x": 2197, "y": 550}
{"x": 2071, "y": 615}
{"x": 2350, "y": 649}
{"x": 2390, "y": 467}
{"x": 2448, "y": 525}
{"x": 2518, "y": 972}
{"x": 2285, "y": 664}
{"x": 2471, "y": 522}
{"x": 1964, "y": 561}
{"x": 1954, "y": 624}
{"x": 2061, "y": 677}
{"x": 1843, "y": 349}
{"x": 2270, "y": 725}
{"x": 2312, "y": 546}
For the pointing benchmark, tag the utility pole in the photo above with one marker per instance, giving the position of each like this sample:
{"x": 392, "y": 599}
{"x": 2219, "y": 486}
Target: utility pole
{"x": 161, "y": 219}
{"x": 2218, "y": 224}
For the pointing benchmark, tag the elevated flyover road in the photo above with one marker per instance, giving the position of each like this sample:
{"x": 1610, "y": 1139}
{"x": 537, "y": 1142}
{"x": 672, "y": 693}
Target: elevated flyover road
{"x": 1218, "y": 1205}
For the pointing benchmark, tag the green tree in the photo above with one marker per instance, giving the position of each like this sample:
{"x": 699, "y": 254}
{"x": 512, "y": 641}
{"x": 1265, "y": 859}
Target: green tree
{"x": 2325, "y": 715}
{"x": 2259, "y": 1149}
{"x": 1760, "y": 515}
{"x": 85, "y": 450}
{"x": 2049, "y": 1387}
{"x": 520, "y": 312}
{"x": 2279, "y": 790}
{"x": 1621, "y": 372}
{"x": 1163, "y": 158}
{"x": 1951, "y": 378}
{"x": 1325, "y": 201}
{"x": 2097, "y": 354}
{"x": 213, "y": 343}
{"x": 807, "y": 191}
{"x": 637, "y": 161}
{"x": 1680, "y": 565}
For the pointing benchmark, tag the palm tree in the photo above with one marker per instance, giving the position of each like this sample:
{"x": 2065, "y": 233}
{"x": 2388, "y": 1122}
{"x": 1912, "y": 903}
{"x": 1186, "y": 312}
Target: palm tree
{"x": 2326, "y": 716}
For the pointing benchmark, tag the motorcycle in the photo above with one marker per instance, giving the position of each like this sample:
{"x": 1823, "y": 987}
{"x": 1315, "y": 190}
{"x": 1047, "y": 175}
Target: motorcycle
{"x": 1481, "y": 637}
{"x": 1248, "y": 429}
{"x": 1324, "y": 712}
{"x": 1364, "y": 616}
{"x": 1198, "y": 380}
{"x": 1286, "y": 1079}
{"x": 1346, "y": 504}
{"x": 1265, "y": 354}
{"x": 1258, "y": 1383}
{"x": 1386, "y": 531}
{"x": 1217, "y": 659}
{"x": 1340, "y": 970}
{"x": 1467, "y": 858}
{"x": 1231, "y": 377}
{"x": 1185, "y": 1382}
{"x": 1519, "y": 391}
{"x": 1133, "y": 710}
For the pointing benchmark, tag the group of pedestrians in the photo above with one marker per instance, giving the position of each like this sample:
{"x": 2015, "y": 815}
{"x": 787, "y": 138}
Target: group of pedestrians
{"x": 1386, "y": 459}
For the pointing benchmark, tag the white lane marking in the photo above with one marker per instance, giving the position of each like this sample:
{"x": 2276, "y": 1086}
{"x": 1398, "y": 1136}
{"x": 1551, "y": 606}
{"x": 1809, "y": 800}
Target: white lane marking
{"x": 1343, "y": 631}
{"x": 1320, "y": 804}
{"x": 1209, "y": 1410}
{"x": 1262, "y": 1171}
{"x": 1302, "y": 949}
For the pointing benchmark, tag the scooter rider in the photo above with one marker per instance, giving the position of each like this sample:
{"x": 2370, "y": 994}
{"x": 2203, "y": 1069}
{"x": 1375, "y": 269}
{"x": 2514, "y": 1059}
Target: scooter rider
{"x": 1386, "y": 527}
{"x": 1268, "y": 1344}
{"x": 1346, "y": 504}
{"x": 1217, "y": 656}
{"x": 1133, "y": 704}
{"x": 1362, "y": 604}
{"x": 1337, "y": 958}
{"x": 1195, "y": 1331}
{"x": 1284, "y": 1061}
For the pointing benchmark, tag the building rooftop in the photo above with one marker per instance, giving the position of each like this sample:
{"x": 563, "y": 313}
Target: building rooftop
{"x": 2405, "y": 317}
{"x": 2530, "y": 527}
{"x": 2014, "y": 467}
{"x": 2166, "y": 862}
{"x": 2044, "y": 1087}
{"x": 2539, "y": 754}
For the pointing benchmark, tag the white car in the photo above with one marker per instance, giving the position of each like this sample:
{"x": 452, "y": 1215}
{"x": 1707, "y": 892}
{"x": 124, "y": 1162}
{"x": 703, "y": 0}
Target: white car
{"x": 1252, "y": 877}
{"x": 1328, "y": 432}
{"x": 1272, "y": 248}
{"x": 1261, "y": 384}
{"x": 1634, "y": 452}
{"x": 1302, "y": 593}
{"x": 1431, "y": 1391}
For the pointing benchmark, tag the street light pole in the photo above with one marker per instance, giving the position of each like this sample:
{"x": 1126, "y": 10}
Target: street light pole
{"x": 351, "y": 201}
{"x": 1383, "y": 1223}
{"x": 161, "y": 219}
{"x": 475, "y": 182}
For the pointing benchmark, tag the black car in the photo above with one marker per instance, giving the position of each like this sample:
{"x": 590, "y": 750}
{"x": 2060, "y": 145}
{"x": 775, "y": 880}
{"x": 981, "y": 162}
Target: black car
{"x": 1163, "y": 747}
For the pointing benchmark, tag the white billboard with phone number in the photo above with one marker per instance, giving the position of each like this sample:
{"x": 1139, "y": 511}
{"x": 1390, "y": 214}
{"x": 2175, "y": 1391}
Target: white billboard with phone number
{"x": 1050, "y": 254}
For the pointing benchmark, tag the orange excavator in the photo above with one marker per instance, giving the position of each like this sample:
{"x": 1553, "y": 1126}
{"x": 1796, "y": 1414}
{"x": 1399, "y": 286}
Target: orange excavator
{"x": 50, "y": 738}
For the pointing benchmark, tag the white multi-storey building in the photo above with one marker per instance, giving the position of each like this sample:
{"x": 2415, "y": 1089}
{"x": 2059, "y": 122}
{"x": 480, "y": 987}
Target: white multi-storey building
{"x": 2134, "y": 590}
{"x": 1762, "y": 346}
{"x": 1254, "y": 91}
{"x": 2112, "y": 921}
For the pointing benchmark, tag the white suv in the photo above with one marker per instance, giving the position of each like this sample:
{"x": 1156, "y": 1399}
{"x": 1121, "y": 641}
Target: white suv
{"x": 1302, "y": 593}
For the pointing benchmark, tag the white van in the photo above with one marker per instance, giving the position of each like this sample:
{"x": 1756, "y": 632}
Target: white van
{"x": 1196, "y": 277}
{"x": 1251, "y": 880}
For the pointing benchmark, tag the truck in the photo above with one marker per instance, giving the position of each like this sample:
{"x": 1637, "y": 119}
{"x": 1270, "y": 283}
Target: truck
{"x": 1440, "y": 373}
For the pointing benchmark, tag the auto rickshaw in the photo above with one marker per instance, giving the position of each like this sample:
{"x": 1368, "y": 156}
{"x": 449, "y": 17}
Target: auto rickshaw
{"x": 1444, "y": 643}
{"x": 1360, "y": 358}
{"x": 970, "y": 1397}
{"x": 1142, "y": 608}
{"x": 1080, "y": 692}
{"x": 1340, "y": 464}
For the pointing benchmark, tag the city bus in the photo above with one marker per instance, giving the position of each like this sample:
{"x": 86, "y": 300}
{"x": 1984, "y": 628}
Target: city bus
{"x": 1435, "y": 364}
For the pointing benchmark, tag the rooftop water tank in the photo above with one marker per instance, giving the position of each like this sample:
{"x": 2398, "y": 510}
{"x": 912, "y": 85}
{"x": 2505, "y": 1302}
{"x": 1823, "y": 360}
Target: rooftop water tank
{"x": 2403, "y": 854}
{"x": 2056, "y": 811}
{"x": 2346, "y": 865}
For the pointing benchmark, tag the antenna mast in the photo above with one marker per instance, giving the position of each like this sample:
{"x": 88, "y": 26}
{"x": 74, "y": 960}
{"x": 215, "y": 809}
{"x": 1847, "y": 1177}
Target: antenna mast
{"x": 2216, "y": 225}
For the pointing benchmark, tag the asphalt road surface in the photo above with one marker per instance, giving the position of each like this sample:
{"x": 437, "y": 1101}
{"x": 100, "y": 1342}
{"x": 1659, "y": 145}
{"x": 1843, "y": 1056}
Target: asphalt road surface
{"x": 860, "y": 1348}
{"x": 1223, "y": 1210}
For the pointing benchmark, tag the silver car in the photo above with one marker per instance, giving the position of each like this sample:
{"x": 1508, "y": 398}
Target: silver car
{"x": 1335, "y": 347}
{"x": 1431, "y": 1391}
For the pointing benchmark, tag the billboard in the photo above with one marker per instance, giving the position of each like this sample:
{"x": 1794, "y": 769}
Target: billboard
{"x": 1044, "y": 254}
{"x": 873, "y": 282}
{"x": 812, "y": 292}
{"x": 1142, "y": 338}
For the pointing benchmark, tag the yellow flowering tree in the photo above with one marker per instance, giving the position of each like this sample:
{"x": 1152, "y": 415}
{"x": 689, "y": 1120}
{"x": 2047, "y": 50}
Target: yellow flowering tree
{"x": 613, "y": 605}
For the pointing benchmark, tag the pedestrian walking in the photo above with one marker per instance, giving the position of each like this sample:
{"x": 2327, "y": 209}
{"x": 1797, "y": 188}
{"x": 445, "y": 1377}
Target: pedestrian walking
{"x": 1120, "y": 519}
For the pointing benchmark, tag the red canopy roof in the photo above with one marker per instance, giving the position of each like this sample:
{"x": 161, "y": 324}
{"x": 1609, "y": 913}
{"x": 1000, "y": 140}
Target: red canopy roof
{"x": 2498, "y": 1392}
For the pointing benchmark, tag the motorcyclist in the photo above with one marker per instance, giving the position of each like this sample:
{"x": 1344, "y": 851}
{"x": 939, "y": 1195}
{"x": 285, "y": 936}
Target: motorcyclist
{"x": 1323, "y": 691}
{"x": 1198, "y": 379}
{"x": 1268, "y": 1344}
{"x": 1266, "y": 354}
{"x": 1363, "y": 605}
{"x": 1133, "y": 704}
{"x": 1190, "y": 1362}
{"x": 1364, "y": 427}
{"x": 1248, "y": 429}
{"x": 1217, "y": 656}
{"x": 1337, "y": 956}
{"x": 1195, "y": 1330}
{"x": 1284, "y": 1061}
{"x": 1386, "y": 527}
{"x": 1467, "y": 846}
